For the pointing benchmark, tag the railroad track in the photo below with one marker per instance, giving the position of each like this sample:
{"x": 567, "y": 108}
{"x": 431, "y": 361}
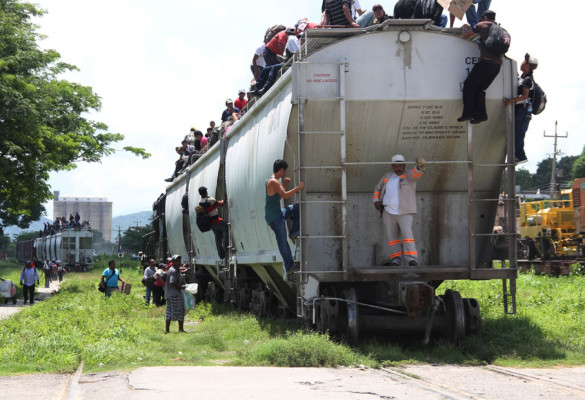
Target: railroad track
{"x": 520, "y": 385}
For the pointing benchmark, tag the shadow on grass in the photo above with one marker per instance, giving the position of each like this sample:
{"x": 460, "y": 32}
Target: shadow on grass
{"x": 502, "y": 338}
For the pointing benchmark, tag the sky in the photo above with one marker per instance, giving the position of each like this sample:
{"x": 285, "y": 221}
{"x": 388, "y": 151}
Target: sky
{"x": 161, "y": 68}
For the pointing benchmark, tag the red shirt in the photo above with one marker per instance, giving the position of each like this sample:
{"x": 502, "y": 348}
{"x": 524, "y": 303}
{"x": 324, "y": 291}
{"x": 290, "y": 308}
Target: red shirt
{"x": 278, "y": 43}
{"x": 240, "y": 103}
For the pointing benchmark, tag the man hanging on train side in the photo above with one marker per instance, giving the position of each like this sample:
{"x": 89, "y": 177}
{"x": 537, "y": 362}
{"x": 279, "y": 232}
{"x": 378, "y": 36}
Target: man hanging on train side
{"x": 395, "y": 198}
{"x": 276, "y": 216}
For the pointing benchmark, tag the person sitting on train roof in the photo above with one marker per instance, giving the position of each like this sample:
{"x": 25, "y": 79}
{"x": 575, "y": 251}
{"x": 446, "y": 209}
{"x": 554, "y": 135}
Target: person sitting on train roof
{"x": 241, "y": 100}
{"x": 375, "y": 16}
{"x": 337, "y": 13}
{"x": 230, "y": 112}
{"x": 395, "y": 198}
{"x": 483, "y": 73}
{"x": 276, "y": 216}
{"x": 404, "y": 9}
{"x": 258, "y": 61}
{"x": 190, "y": 137}
{"x": 429, "y": 9}
{"x": 276, "y": 46}
{"x": 202, "y": 140}
{"x": 178, "y": 164}
{"x": 214, "y": 137}
{"x": 219, "y": 227}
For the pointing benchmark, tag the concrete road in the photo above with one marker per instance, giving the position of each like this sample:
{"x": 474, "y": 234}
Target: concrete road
{"x": 42, "y": 293}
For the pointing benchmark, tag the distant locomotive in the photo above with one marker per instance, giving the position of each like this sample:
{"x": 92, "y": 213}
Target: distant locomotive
{"x": 71, "y": 247}
{"x": 350, "y": 100}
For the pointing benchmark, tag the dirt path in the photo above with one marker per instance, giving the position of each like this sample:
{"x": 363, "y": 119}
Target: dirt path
{"x": 42, "y": 293}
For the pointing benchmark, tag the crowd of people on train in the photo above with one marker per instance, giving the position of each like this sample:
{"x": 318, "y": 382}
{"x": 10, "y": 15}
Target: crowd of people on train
{"x": 280, "y": 43}
{"x": 60, "y": 223}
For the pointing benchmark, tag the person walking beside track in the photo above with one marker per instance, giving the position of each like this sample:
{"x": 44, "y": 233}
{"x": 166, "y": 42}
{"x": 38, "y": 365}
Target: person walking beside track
{"x": 110, "y": 278}
{"x": 28, "y": 276}
{"x": 175, "y": 306}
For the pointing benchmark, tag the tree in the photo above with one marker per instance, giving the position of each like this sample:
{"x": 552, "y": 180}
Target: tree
{"x": 26, "y": 235}
{"x": 41, "y": 124}
{"x": 523, "y": 179}
{"x": 578, "y": 170}
{"x": 132, "y": 238}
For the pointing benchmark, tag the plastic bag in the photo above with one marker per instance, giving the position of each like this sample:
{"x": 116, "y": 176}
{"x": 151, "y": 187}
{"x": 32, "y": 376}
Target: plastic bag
{"x": 188, "y": 301}
{"x": 191, "y": 288}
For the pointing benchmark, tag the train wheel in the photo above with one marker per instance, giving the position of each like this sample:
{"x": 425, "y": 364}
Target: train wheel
{"x": 456, "y": 316}
{"x": 472, "y": 315}
{"x": 352, "y": 328}
{"x": 328, "y": 316}
{"x": 242, "y": 300}
{"x": 211, "y": 292}
{"x": 260, "y": 303}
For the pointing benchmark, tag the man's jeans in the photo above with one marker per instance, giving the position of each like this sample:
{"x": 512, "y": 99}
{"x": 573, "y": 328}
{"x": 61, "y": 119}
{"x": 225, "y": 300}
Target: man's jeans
{"x": 279, "y": 228}
{"x": 472, "y": 15}
{"x": 148, "y": 292}
{"x": 222, "y": 238}
{"x": 522, "y": 117}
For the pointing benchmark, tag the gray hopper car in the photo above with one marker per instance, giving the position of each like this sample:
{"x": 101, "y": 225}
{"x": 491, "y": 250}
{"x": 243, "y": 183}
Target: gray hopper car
{"x": 340, "y": 109}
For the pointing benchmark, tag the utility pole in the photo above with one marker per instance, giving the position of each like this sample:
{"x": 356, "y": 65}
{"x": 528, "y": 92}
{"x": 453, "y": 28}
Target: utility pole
{"x": 120, "y": 248}
{"x": 553, "y": 178}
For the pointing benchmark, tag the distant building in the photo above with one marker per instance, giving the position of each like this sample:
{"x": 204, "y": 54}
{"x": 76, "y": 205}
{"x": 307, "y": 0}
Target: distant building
{"x": 96, "y": 210}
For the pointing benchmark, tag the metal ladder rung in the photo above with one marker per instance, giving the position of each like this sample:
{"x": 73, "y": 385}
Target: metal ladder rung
{"x": 490, "y": 200}
{"x": 322, "y": 167}
{"x": 495, "y": 234}
{"x": 322, "y": 237}
{"x": 323, "y": 132}
{"x": 322, "y": 202}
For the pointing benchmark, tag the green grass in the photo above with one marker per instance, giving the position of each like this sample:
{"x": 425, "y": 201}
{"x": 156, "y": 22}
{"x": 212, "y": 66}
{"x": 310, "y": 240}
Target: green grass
{"x": 122, "y": 333}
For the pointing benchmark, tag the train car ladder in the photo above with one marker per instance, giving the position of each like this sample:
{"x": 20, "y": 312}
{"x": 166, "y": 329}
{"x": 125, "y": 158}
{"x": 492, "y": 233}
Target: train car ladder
{"x": 509, "y": 291}
{"x": 304, "y": 90}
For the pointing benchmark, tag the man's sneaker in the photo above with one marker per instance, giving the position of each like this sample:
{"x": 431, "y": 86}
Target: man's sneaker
{"x": 478, "y": 120}
{"x": 521, "y": 160}
{"x": 294, "y": 236}
{"x": 412, "y": 263}
{"x": 169, "y": 180}
{"x": 464, "y": 118}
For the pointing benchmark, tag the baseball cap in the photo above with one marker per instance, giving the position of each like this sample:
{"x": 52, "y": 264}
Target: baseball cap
{"x": 176, "y": 257}
{"x": 397, "y": 158}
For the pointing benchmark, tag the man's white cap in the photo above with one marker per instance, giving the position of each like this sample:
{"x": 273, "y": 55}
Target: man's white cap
{"x": 397, "y": 158}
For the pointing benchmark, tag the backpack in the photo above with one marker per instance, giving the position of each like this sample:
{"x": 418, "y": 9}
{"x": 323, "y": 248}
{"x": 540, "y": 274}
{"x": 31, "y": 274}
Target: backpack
{"x": 429, "y": 7}
{"x": 538, "y": 99}
{"x": 498, "y": 40}
{"x": 203, "y": 220}
{"x": 272, "y": 31}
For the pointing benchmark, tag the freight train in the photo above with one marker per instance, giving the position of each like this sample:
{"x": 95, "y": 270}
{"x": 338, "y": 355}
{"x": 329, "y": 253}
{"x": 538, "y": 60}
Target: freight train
{"x": 73, "y": 248}
{"x": 341, "y": 108}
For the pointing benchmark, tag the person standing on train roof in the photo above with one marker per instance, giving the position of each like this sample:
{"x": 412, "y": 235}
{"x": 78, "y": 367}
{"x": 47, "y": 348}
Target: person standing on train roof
{"x": 483, "y": 73}
{"x": 276, "y": 216}
{"x": 219, "y": 227}
{"x": 395, "y": 198}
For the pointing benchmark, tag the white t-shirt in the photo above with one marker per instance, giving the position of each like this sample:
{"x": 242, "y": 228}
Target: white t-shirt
{"x": 293, "y": 44}
{"x": 260, "y": 53}
{"x": 390, "y": 199}
{"x": 355, "y": 5}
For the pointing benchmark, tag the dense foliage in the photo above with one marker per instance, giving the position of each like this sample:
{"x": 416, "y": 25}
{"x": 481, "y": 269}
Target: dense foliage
{"x": 42, "y": 123}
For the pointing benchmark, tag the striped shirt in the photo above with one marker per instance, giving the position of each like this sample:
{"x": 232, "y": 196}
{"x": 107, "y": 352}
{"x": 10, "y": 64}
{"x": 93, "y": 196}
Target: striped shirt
{"x": 334, "y": 9}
